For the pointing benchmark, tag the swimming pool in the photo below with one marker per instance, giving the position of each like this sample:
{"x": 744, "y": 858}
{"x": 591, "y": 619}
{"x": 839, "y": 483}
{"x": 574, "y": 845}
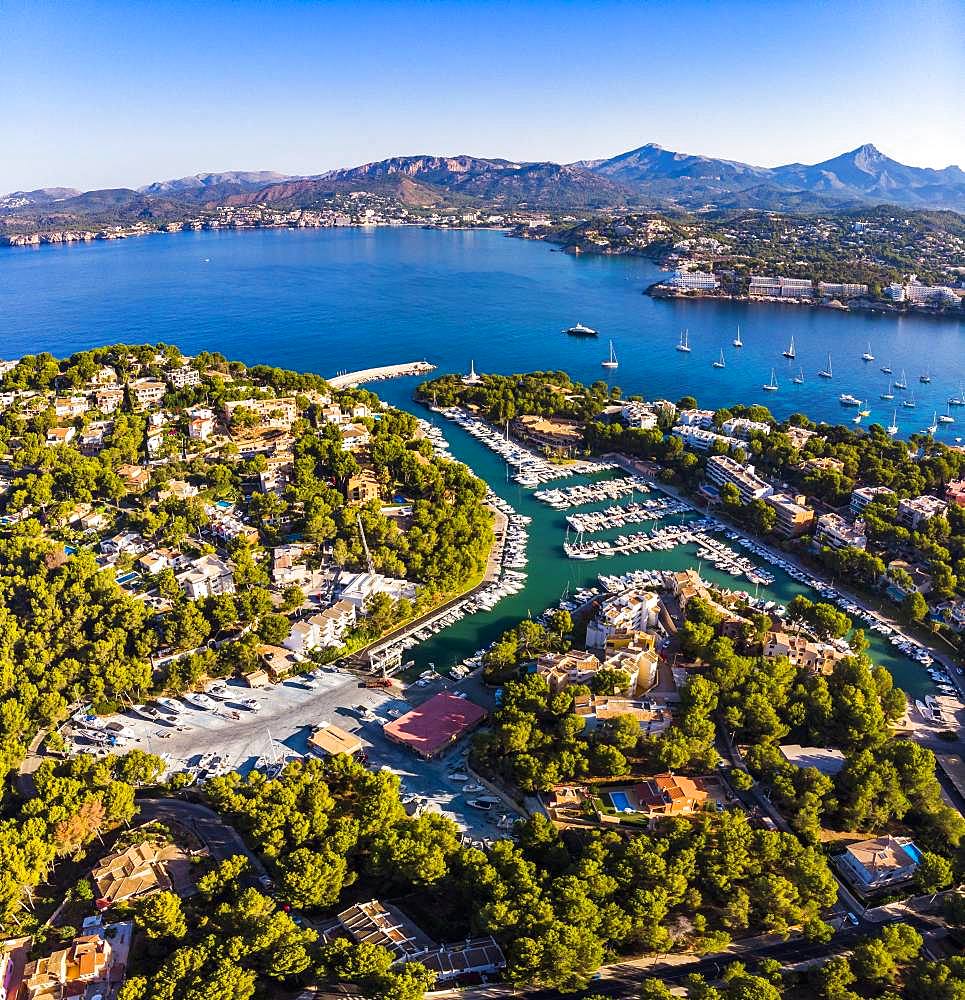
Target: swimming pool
{"x": 621, "y": 802}
{"x": 913, "y": 852}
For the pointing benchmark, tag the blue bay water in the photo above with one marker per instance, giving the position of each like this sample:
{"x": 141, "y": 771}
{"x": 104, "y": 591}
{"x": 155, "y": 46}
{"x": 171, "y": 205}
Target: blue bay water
{"x": 334, "y": 300}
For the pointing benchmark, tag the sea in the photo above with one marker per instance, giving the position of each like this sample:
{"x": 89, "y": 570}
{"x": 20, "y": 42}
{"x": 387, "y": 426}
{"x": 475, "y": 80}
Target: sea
{"x": 335, "y": 300}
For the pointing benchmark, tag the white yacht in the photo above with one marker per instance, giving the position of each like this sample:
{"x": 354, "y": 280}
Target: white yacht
{"x": 611, "y": 361}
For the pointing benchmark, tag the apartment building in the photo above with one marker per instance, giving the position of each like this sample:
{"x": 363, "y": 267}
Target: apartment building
{"x": 109, "y": 400}
{"x": 701, "y": 281}
{"x": 69, "y": 407}
{"x": 201, "y": 423}
{"x": 765, "y": 286}
{"x": 562, "y": 669}
{"x": 322, "y": 630}
{"x": 722, "y": 469}
{"x": 837, "y": 533}
{"x": 864, "y": 495}
{"x": 147, "y": 392}
{"x": 818, "y": 657}
{"x": 917, "y": 510}
{"x": 636, "y": 610}
{"x": 955, "y": 492}
{"x": 794, "y": 516}
{"x": 696, "y": 418}
{"x": 208, "y": 576}
{"x": 743, "y": 428}
{"x": 183, "y": 377}
{"x": 841, "y": 290}
{"x": 639, "y": 416}
{"x": 702, "y": 440}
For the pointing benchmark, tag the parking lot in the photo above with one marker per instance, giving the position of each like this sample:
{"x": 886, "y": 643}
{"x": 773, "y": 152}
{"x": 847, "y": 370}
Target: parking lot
{"x": 288, "y": 713}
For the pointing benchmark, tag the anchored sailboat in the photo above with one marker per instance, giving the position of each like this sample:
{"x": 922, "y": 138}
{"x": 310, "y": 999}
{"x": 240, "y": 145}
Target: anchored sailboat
{"x": 737, "y": 340}
{"x": 909, "y": 403}
{"x": 684, "y": 344}
{"x": 892, "y": 428}
{"x": 827, "y": 373}
{"x": 889, "y": 393}
{"x": 611, "y": 361}
{"x": 902, "y": 383}
{"x": 946, "y": 417}
{"x": 772, "y": 386}
{"x": 799, "y": 378}
{"x": 720, "y": 363}
{"x": 790, "y": 352}
{"x": 933, "y": 426}
{"x": 886, "y": 369}
{"x": 868, "y": 356}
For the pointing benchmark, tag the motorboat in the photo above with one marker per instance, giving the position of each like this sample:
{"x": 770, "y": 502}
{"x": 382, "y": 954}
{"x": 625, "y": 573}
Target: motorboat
{"x": 580, "y": 330}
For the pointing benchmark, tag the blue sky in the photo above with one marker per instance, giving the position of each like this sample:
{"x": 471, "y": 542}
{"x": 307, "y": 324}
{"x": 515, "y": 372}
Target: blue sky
{"x": 117, "y": 94}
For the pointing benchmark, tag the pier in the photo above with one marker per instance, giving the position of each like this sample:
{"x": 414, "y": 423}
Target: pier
{"x": 345, "y": 380}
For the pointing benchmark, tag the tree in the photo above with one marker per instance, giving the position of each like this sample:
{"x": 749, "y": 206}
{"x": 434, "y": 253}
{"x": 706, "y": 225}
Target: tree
{"x": 312, "y": 878}
{"x": 914, "y": 607}
{"x": 934, "y": 872}
{"x": 161, "y": 916}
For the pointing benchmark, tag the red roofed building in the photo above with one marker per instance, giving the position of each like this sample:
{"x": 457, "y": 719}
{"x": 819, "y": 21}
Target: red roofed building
{"x": 669, "y": 795}
{"x": 436, "y": 724}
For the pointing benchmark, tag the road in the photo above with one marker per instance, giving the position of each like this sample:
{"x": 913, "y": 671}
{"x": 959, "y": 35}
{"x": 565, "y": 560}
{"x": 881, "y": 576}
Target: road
{"x": 625, "y": 979}
{"x": 221, "y": 839}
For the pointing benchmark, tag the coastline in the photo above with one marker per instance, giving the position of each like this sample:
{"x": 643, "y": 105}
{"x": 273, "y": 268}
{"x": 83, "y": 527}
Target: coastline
{"x": 659, "y": 290}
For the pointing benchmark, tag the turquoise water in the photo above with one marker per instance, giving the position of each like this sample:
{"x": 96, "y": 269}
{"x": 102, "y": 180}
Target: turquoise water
{"x": 332, "y": 300}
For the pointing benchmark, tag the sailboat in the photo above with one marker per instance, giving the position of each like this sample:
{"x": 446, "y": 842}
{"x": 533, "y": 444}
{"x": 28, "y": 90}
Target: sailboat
{"x": 892, "y": 428}
{"x": 790, "y": 353}
{"x": 958, "y": 400}
{"x": 799, "y": 378}
{"x": 902, "y": 383}
{"x": 737, "y": 340}
{"x": 909, "y": 403}
{"x": 684, "y": 344}
{"x": 946, "y": 417}
{"x": 924, "y": 377}
{"x": 720, "y": 363}
{"x": 933, "y": 426}
{"x": 889, "y": 394}
{"x": 827, "y": 373}
{"x": 611, "y": 361}
{"x": 868, "y": 356}
{"x": 864, "y": 412}
{"x": 886, "y": 369}
{"x": 772, "y": 386}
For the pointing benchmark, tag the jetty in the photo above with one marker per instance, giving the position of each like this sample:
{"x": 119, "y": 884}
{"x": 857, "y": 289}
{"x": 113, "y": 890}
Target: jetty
{"x": 344, "y": 380}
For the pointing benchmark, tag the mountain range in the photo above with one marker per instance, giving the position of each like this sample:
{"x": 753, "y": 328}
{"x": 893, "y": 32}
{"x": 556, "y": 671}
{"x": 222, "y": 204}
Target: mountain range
{"x": 646, "y": 177}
